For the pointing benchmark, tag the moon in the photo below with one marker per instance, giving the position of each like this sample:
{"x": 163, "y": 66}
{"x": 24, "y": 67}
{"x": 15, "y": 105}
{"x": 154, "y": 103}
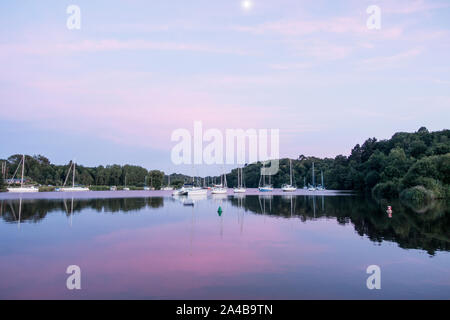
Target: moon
{"x": 246, "y": 4}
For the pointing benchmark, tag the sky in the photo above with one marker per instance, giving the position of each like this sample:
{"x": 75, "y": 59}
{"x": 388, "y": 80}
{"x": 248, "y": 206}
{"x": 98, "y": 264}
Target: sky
{"x": 115, "y": 90}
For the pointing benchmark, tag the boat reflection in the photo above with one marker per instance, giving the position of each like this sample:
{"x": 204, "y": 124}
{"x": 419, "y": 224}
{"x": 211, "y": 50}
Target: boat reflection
{"x": 427, "y": 225}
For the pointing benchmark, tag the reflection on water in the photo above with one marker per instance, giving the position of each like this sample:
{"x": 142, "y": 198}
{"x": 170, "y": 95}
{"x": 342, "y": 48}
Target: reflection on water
{"x": 424, "y": 228}
{"x": 278, "y": 245}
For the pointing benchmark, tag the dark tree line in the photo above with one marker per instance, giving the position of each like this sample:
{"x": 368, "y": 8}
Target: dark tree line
{"x": 412, "y": 165}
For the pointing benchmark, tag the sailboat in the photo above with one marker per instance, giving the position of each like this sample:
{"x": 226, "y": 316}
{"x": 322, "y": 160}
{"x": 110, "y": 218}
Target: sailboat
{"x": 241, "y": 184}
{"x": 196, "y": 190}
{"x": 222, "y": 188}
{"x": 264, "y": 187}
{"x": 312, "y": 188}
{"x": 183, "y": 191}
{"x": 289, "y": 187}
{"x": 22, "y": 189}
{"x": 72, "y": 188}
{"x": 321, "y": 187}
{"x": 125, "y": 188}
{"x": 168, "y": 187}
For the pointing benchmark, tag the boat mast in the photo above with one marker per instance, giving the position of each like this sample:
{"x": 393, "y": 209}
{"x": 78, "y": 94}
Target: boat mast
{"x": 313, "y": 182}
{"x": 321, "y": 173}
{"x": 290, "y": 173}
{"x": 73, "y": 175}
{"x": 23, "y": 170}
{"x": 239, "y": 182}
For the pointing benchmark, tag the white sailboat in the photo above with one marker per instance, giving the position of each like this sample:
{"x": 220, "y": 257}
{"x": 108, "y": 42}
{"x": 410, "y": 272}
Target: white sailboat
{"x": 265, "y": 187}
{"x": 22, "y": 189}
{"x": 222, "y": 188}
{"x": 72, "y": 188}
{"x": 241, "y": 184}
{"x": 168, "y": 187}
{"x": 321, "y": 187}
{"x": 195, "y": 190}
{"x": 312, "y": 188}
{"x": 289, "y": 187}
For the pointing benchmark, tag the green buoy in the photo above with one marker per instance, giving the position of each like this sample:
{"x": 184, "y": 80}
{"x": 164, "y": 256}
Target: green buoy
{"x": 219, "y": 211}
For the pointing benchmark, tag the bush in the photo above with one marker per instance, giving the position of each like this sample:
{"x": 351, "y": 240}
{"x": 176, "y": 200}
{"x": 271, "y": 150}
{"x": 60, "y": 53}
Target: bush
{"x": 46, "y": 189}
{"x": 99, "y": 188}
{"x": 417, "y": 194}
{"x": 385, "y": 190}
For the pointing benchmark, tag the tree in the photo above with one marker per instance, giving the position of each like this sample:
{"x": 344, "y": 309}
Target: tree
{"x": 2, "y": 183}
{"x": 156, "y": 178}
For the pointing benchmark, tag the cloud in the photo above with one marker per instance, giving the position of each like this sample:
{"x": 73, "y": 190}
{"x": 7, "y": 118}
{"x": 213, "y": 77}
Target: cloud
{"x": 410, "y": 7}
{"x": 90, "y": 46}
{"x": 391, "y": 60}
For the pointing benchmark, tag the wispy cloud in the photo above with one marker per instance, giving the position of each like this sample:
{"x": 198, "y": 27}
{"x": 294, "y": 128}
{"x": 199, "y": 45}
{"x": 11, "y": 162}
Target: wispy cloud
{"x": 410, "y": 7}
{"x": 40, "y": 48}
{"x": 392, "y": 60}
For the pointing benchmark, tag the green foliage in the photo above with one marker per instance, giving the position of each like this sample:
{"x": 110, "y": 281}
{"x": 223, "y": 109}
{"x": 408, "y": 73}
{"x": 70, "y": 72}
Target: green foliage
{"x": 386, "y": 190}
{"x": 99, "y": 188}
{"x": 156, "y": 179}
{"x": 46, "y": 189}
{"x": 2, "y": 185}
{"x": 386, "y": 168}
{"x": 417, "y": 194}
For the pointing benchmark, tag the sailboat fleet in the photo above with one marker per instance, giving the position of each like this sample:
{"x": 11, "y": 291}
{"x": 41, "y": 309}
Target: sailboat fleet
{"x": 191, "y": 189}
{"x": 265, "y": 185}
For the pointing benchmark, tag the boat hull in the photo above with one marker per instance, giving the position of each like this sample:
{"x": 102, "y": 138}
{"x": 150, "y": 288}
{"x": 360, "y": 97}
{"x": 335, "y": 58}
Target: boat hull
{"x": 74, "y": 189}
{"x": 22, "y": 190}
{"x": 219, "y": 191}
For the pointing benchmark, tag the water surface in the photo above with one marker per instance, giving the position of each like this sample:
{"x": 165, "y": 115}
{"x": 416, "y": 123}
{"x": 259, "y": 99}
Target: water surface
{"x": 153, "y": 246}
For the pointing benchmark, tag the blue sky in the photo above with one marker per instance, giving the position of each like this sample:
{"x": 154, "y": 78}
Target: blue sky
{"x": 113, "y": 91}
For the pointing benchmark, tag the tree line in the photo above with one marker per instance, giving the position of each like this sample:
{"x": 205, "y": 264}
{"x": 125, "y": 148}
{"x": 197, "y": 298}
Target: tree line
{"x": 412, "y": 165}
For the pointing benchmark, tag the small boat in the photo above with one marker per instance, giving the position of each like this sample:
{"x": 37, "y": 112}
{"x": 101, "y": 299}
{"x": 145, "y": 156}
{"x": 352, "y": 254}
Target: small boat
{"x": 73, "y": 188}
{"x": 126, "y": 189}
{"x": 289, "y": 187}
{"x": 22, "y": 188}
{"x": 188, "y": 202}
{"x": 113, "y": 188}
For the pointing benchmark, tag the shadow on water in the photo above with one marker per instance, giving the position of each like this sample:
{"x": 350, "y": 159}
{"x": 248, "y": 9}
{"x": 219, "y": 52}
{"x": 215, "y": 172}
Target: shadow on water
{"x": 412, "y": 227}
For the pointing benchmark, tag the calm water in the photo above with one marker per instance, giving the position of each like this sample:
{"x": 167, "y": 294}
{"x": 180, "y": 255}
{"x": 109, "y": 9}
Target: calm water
{"x": 129, "y": 245}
